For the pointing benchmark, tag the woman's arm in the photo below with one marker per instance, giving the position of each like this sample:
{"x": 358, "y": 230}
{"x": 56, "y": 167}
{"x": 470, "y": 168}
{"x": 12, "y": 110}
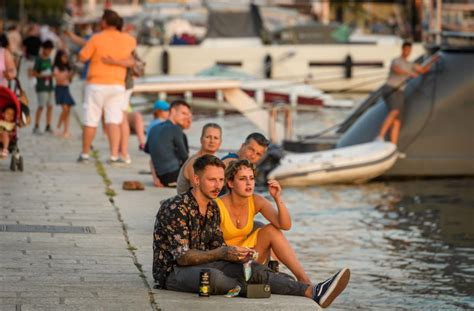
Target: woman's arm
{"x": 280, "y": 218}
{"x": 10, "y": 68}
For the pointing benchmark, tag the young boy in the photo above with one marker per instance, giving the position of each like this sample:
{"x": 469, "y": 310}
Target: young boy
{"x": 7, "y": 125}
{"x": 42, "y": 70}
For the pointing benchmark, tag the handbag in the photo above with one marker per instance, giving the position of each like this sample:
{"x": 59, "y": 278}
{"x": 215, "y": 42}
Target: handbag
{"x": 25, "y": 119}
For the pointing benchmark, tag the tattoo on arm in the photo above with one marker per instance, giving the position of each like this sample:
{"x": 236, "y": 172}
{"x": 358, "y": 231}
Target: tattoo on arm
{"x": 195, "y": 257}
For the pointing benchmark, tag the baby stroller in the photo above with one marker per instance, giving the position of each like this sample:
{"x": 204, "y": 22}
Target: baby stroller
{"x": 9, "y": 99}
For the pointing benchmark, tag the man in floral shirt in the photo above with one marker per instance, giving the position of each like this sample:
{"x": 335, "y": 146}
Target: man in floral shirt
{"x": 188, "y": 238}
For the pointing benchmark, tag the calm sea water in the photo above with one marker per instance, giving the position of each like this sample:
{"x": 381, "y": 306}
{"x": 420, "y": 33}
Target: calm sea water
{"x": 409, "y": 244}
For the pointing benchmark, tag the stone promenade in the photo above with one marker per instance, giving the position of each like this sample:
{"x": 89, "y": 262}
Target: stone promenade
{"x": 71, "y": 239}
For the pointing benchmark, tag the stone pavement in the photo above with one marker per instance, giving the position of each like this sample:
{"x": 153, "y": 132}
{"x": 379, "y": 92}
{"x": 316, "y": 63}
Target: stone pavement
{"x": 108, "y": 265}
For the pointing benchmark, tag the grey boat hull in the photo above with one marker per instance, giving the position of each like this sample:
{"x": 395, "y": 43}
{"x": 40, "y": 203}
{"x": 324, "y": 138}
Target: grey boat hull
{"x": 437, "y": 133}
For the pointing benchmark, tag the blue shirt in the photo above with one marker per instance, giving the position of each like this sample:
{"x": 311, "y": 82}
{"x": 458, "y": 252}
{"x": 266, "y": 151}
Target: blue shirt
{"x": 152, "y": 125}
{"x": 167, "y": 146}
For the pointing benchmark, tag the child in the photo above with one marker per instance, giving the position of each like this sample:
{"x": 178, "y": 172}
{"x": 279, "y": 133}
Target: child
{"x": 7, "y": 125}
{"x": 63, "y": 75}
{"x": 42, "y": 70}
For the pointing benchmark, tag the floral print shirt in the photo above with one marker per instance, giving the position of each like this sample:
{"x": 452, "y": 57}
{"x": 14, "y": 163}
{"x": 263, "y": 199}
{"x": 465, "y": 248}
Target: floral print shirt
{"x": 179, "y": 226}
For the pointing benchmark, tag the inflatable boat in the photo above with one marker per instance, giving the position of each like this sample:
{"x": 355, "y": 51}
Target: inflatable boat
{"x": 354, "y": 164}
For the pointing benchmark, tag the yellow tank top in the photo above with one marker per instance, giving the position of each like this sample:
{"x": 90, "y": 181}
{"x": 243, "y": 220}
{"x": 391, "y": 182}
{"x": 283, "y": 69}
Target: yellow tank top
{"x": 234, "y": 236}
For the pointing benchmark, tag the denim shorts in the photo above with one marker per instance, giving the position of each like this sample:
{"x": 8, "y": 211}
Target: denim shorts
{"x": 63, "y": 96}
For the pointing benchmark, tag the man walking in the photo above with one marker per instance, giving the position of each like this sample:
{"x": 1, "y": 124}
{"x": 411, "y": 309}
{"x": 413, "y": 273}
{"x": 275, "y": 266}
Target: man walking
{"x": 105, "y": 84}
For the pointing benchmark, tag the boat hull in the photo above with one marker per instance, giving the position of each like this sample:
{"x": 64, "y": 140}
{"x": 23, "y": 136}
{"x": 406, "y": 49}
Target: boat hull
{"x": 355, "y": 164}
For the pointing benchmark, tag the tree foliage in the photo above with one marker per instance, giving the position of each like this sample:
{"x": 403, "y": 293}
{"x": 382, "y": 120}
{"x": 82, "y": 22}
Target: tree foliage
{"x": 41, "y": 11}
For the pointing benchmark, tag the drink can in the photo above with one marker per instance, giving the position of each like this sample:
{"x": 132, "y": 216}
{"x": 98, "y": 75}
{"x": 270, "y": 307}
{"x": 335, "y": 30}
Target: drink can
{"x": 204, "y": 282}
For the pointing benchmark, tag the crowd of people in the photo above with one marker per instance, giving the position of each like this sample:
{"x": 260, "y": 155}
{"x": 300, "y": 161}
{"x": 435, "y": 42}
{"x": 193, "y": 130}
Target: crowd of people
{"x": 209, "y": 224}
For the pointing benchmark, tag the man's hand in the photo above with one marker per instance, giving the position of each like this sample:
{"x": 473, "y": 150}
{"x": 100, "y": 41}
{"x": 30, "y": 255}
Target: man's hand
{"x": 237, "y": 254}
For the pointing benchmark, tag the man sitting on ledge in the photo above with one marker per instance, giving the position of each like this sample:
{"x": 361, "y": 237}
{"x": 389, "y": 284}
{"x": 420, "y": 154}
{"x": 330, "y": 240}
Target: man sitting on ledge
{"x": 188, "y": 238}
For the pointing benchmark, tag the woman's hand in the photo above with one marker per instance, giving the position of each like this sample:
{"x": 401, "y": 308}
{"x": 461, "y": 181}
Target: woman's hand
{"x": 274, "y": 188}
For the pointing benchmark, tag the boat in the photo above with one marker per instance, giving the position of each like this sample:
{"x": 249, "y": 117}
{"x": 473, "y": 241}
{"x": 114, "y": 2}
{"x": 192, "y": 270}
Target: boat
{"x": 354, "y": 164}
{"x": 435, "y": 137}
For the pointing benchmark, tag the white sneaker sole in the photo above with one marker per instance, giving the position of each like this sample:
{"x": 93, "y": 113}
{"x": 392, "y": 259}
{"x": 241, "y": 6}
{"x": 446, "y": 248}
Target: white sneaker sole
{"x": 336, "y": 288}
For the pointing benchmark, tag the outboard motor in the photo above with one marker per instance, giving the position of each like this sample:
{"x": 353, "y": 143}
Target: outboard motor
{"x": 268, "y": 163}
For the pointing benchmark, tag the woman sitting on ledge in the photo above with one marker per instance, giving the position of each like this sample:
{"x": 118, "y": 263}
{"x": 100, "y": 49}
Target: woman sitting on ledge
{"x": 238, "y": 209}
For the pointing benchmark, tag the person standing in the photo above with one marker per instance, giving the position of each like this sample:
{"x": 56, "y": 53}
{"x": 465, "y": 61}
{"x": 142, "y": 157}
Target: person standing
{"x": 31, "y": 48}
{"x": 105, "y": 84}
{"x": 63, "y": 74}
{"x": 7, "y": 63}
{"x": 393, "y": 91}
{"x": 43, "y": 72}
{"x": 167, "y": 145}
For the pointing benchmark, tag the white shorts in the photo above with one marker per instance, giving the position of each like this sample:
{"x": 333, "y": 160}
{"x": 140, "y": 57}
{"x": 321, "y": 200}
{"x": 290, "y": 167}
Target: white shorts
{"x": 102, "y": 97}
{"x": 126, "y": 99}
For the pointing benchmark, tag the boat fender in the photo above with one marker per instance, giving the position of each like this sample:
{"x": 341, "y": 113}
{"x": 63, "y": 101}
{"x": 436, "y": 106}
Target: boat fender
{"x": 348, "y": 67}
{"x": 267, "y": 66}
{"x": 165, "y": 60}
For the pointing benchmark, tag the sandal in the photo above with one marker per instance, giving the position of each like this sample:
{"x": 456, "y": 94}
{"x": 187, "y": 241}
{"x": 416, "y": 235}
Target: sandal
{"x": 4, "y": 153}
{"x": 133, "y": 185}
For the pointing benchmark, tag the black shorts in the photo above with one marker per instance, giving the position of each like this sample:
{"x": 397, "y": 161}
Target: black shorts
{"x": 169, "y": 179}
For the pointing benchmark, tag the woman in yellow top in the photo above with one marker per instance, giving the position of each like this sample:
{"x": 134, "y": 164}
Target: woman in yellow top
{"x": 240, "y": 205}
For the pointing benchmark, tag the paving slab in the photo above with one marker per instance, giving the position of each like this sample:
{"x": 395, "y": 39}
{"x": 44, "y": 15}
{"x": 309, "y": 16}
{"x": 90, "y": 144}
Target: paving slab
{"x": 106, "y": 270}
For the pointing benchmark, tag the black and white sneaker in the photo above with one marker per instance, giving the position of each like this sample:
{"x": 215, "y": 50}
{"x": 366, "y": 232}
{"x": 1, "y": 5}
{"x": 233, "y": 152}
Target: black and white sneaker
{"x": 83, "y": 158}
{"x": 325, "y": 292}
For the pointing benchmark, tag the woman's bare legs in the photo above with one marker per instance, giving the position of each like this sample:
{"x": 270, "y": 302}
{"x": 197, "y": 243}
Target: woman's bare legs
{"x": 66, "y": 112}
{"x": 270, "y": 238}
{"x": 61, "y": 118}
{"x": 135, "y": 120}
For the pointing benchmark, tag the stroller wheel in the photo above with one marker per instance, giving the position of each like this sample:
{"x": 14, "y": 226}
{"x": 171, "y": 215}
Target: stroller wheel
{"x": 13, "y": 164}
{"x": 20, "y": 164}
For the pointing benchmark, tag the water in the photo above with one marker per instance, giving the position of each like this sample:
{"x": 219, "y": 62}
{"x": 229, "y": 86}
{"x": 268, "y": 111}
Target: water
{"x": 409, "y": 244}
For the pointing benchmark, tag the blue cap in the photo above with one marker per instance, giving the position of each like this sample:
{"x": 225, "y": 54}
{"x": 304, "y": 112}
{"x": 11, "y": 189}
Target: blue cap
{"x": 161, "y": 105}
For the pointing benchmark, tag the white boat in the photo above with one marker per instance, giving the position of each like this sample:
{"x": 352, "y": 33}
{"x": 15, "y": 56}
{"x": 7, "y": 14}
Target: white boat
{"x": 354, "y": 164}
